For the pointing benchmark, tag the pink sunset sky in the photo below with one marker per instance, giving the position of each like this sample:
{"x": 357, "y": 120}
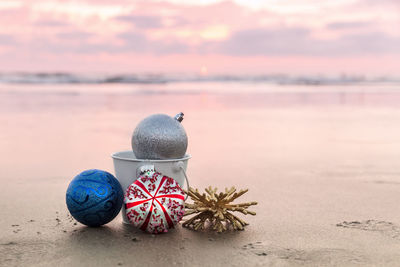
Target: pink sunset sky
{"x": 231, "y": 37}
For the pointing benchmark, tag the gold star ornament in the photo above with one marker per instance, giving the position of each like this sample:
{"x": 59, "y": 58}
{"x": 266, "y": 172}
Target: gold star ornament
{"x": 214, "y": 210}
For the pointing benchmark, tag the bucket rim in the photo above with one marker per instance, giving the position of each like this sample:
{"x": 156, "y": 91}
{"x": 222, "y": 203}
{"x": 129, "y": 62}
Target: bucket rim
{"x": 117, "y": 155}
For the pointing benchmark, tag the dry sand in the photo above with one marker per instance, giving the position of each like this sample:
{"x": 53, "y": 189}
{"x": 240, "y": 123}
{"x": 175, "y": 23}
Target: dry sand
{"x": 324, "y": 168}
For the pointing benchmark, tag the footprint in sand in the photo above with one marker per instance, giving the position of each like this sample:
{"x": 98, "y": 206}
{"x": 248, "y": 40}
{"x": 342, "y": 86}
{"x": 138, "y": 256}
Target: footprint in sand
{"x": 385, "y": 182}
{"x": 386, "y": 228}
{"x": 256, "y": 248}
{"x": 313, "y": 257}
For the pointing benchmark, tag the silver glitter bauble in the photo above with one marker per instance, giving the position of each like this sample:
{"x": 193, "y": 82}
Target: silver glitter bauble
{"x": 160, "y": 136}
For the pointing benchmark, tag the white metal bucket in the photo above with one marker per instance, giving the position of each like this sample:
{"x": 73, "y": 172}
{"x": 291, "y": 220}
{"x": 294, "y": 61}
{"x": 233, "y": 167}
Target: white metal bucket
{"x": 128, "y": 167}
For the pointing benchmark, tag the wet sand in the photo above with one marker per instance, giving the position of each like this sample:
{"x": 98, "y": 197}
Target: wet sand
{"x": 324, "y": 167}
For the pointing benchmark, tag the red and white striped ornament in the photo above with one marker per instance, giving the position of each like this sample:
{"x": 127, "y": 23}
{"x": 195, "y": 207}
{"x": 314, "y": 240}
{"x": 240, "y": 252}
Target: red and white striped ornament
{"x": 154, "y": 202}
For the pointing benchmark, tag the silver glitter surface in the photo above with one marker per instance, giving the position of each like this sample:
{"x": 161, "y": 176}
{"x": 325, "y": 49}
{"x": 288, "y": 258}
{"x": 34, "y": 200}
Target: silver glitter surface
{"x": 159, "y": 136}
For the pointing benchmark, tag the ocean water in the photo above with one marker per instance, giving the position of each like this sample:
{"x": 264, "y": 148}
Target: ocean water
{"x": 41, "y": 97}
{"x": 158, "y": 78}
{"x": 59, "y": 129}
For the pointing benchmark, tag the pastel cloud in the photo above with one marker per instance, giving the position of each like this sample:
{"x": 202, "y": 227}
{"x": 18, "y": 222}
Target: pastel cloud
{"x": 114, "y": 32}
{"x": 298, "y": 41}
{"x": 50, "y": 23}
{"x": 349, "y": 25}
{"x": 144, "y": 22}
{"x": 6, "y": 40}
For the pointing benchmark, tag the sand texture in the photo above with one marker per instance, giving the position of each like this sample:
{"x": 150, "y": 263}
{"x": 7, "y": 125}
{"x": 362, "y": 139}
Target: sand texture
{"x": 323, "y": 167}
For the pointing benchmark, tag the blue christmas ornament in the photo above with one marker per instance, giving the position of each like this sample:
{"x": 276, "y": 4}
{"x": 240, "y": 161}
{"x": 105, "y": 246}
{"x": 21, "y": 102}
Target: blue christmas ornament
{"x": 94, "y": 197}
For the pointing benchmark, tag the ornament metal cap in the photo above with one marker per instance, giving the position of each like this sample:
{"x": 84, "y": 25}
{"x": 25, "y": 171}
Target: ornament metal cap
{"x": 179, "y": 116}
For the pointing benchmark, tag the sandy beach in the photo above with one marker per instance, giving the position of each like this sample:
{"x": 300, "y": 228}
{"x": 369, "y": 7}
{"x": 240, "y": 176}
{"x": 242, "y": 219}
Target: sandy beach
{"x": 323, "y": 163}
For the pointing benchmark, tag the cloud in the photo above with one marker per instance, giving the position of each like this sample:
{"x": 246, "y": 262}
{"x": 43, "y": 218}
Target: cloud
{"x": 380, "y": 2}
{"x": 6, "y": 40}
{"x": 134, "y": 41}
{"x": 68, "y": 43}
{"x": 266, "y": 42}
{"x": 348, "y": 25}
{"x": 371, "y": 43}
{"x": 51, "y": 23}
{"x": 137, "y": 42}
{"x": 74, "y": 35}
{"x": 299, "y": 41}
{"x": 83, "y": 43}
{"x": 144, "y": 22}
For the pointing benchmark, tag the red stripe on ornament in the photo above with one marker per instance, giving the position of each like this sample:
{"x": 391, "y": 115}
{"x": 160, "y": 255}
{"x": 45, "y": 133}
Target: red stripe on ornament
{"x": 172, "y": 196}
{"x": 146, "y": 222}
{"x": 166, "y": 215}
{"x": 139, "y": 183}
{"x": 161, "y": 183}
{"x": 133, "y": 204}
